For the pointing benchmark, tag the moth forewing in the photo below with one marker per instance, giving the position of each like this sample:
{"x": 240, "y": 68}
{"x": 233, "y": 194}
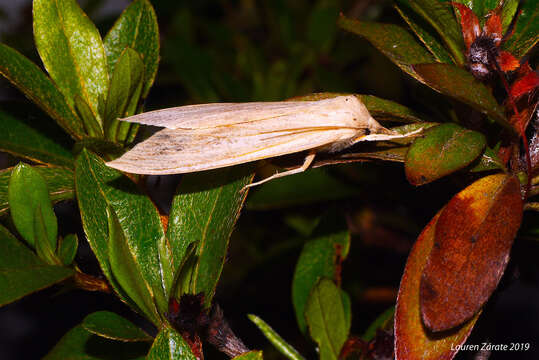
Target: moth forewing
{"x": 210, "y": 136}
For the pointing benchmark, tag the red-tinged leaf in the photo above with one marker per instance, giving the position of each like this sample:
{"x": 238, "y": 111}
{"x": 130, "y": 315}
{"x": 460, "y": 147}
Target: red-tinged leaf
{"x": 525, "y": 85}
{"x": 412, "y": 339}
{"x": 469, "y": 24}
{"x": 507, "y": 61}
{"x": 461, "y": 85}
{"x": 526, "y": 32}
{"x": 493, "y": 25}
{"x": 472, "y": 241}
{"x": 443, "y": 150}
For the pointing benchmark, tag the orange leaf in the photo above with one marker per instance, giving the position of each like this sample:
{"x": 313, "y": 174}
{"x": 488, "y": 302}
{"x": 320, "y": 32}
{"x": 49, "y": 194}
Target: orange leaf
{"x": 412, "y": 339}
{"x": 525, "y": 85}
{"x": 507, "y": 61}
{"x": 473, "y": 238}
{"x": 469, "y": 24}
{"x": 493, "y": 26}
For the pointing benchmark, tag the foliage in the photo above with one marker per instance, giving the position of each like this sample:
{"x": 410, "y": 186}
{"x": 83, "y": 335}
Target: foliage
{"x": 167, "y": 265}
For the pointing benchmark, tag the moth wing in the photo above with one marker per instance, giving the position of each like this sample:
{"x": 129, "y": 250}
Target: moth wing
{"x": 175, "y": 151}
{"x": 205, "y": 116}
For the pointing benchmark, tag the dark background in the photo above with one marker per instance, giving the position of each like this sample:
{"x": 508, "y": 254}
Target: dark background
{"x": 271, "y": 50}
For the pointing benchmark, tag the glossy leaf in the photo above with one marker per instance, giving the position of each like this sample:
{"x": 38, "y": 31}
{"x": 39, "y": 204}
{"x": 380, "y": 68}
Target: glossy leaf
{"x": 19, "y": 138}
{"x": 251, "y": 355}
{"x": 488, "y": 161}
{"x": 99, "y": 187}
{"x": 440, "y": 16}
{"x": 317, "y": 260}
{"x": 442, "y": 150}
{"x": 169, "y": 345}
{"x": 472, "y": 241}
{"x": 22, "y": 272}
{"x": 204, "y": 211}
{"x": 84, "y": 111}
{"x": 461, "y": 85}
{"x": 423, "y": 32}
{"x": 113, "y": 326}
{"x": 393, "y": 41}
{"x": 280, "y": 344}
{"x": 27, "y": 190}
{"x": 44, "y": 246}
{"x": 59, "y": 183}
{"x": 80, "y": 344}
{"x": 526, "y": 32}
{"x": 137, "y": 29}
{"x": 71, "y": 49}
{"x": 325, "y": 317}
{"x": 412, "y": 339}
{"x": 29, "y": 79}
{"x": 127, "y": 77}
{"x": 67, "y": 249}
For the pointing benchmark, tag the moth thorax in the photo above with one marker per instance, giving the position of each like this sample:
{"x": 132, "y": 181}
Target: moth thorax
{"x": 481, "y": 57}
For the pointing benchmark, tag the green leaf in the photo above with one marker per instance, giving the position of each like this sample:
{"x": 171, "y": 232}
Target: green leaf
{"x": 71, "y": 50}
{"x": 317, "y": 260}
{"x": 99, "y": 187}
{"x": 393, "y": 41}
{"x": 27, "y": 191}
{"x": 299, "y": 189}
{"x": 59, "y": 182}
{"x": 44, "y": 247}
{"x": 137, "y": 29}
{"x": 482, "y": 7}
{"x": 385, "y": 319}
{"x": 488, "y": 161}
{"x": 461, "y": 85}
{"x": 80, "y": 344}
{"x": 424, "y": 32}
{"x": 29, "y": 79}
{"x": 526, "y": 32}
{"x": 67, "y": 249}
{"x": 22, "y": 272}
{"x": 127, "y": 270}
{"x": 127, "y": 78}
{"x": 440, "y": 16}
{"x": 325, "y": 317}
{"x": 347, "y": 308}
{"x": 204, "y": 211}
{"x": 251, "y": 355}
{"x": 280, "y": 344}
{"x": 28, "y": 138}
{"x": 91, "y": 124}
{"x": 442, "y": 150}
{"x": 321, "y": 28}
{"x": 169, "y": 345}
{"x": 113, "y": 326}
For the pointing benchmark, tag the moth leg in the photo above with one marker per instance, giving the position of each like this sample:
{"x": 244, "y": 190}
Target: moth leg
{"x": 306, "y": 163}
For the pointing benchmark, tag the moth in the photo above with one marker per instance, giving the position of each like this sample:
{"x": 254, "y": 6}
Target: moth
{"x": 209, "y": 136}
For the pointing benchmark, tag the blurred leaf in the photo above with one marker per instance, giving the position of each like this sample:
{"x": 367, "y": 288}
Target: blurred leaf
{"x": 347, "y": 308}
{"x": 127, "y": 270}
{"x": 59, "y": 182}
{"x": 67, "y": 249}
{"x": 251, "y": 355}
{"x": 321, "y": 27}
{"x": 137, "y": 29}
{"x": 169, "y": 345}
{"x": 299, "y": 189}
{"x": 461, "y": 85}
{"x": 44, "y": 246}
{"x": 319, "y": 258}
{"x": 91, "y": 124}
{"x": 22, "y": 272}
{"x": 473, "y": 237}
{"x": 99, "y": 187}
{"x": 423, "y": 32}
{"x": 325, "y": 317}
{"x": 526, "y": 32}
{"x": 113, "y": 326}
{"x": 19, "y": 138}
{"x": 29, "y": 79}
{"x": 127, "y": 77}
{"x": 280, "y": 344}
{"x": 508, "y": 11}
{"x": 442, "y": 150}
{"x": 440, "y": 16}
{"x": 79, "y": 344}
{"x": 412, "y": 339}
{"x": 71, "y": 50}
{"x": 393, "y": 41}
{"x": 27, "y": 191}
{"x": 204, "y": 211}
{"x": 380, "y": 322}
